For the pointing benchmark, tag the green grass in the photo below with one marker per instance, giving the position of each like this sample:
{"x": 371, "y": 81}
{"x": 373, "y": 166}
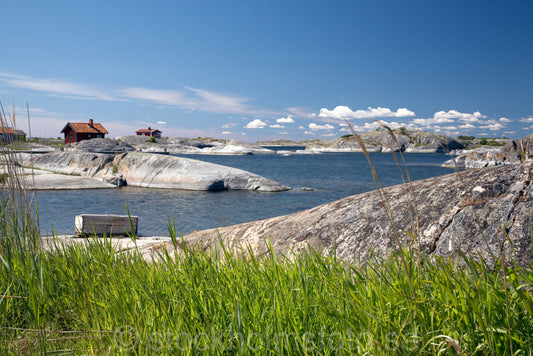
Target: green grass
{"x": 95, "y": 300}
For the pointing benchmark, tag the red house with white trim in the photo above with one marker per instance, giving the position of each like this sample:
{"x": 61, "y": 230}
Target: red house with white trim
{"x": 149, "y": 132}
{"x": 79, "y": 131}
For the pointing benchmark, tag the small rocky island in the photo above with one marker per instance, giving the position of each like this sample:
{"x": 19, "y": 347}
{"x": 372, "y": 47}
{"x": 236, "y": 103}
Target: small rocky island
{"x": 81, "y": 170}
{"x": 500, "y": 152}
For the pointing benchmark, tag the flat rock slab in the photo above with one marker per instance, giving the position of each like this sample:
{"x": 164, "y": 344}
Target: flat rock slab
{"x": 52, "y": 181}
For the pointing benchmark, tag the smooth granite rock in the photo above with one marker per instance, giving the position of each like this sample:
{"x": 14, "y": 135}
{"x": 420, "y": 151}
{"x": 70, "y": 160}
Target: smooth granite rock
{"x": 148, "y": 170}
{"x": 483, "y": 212}
{"x": 160, "y": 171}
{"x": 99, "y": 145}
{"x": 72, "y": 163}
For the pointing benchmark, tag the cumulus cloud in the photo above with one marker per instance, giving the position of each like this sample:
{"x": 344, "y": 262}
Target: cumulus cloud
{"x": 315, "y": 127}
{"x": 276, "y": 126}
{"x": 226, "y": 132}
{"x": 432, "y": 121}
{"x": 527, "y": 119}
{"x": 344, "y": 112}
{"x": 454, "y": 114}
{"x": 285, "y": 120}
{"x": 493, "y": 127}
{"x": 467, "y": 126}
{"x": 504, "y": 119}
{"x": 161, "y": 122}
{"x": 256, "y": 124}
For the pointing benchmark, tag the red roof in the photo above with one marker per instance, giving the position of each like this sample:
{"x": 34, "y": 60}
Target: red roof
{"x": 148, "y": 130}
{"x": 84, "y": 127}
{"x": 6, "y": 130}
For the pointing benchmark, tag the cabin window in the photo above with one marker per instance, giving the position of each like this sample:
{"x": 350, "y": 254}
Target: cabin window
{"x": 89, "y": 136}
{"x": 70, "y": 137}
{"x": 99, "y": 136}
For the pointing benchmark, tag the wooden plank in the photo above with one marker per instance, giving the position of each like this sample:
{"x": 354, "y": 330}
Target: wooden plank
{"x": 109, "y": 225}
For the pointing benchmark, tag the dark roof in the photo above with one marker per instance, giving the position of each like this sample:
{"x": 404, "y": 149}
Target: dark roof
{"x": 84, "y": 127}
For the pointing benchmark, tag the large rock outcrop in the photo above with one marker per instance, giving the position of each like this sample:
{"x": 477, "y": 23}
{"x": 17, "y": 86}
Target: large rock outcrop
{"x": 146, "y": 170}
{"x": 382, "y": 141}
{"x": 482, "y": 212}
{"x": 513, "y": 152}
{"x": 161, "y": 171}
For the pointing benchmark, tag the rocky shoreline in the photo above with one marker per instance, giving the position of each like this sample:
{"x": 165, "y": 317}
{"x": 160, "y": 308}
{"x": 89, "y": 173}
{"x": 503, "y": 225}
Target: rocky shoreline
{"x": 514, "y": 152}
{"x": 486, "y": 213}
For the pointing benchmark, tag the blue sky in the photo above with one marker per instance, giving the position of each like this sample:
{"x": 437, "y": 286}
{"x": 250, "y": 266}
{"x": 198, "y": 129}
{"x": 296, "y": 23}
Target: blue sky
{"x": 256, "y": 70}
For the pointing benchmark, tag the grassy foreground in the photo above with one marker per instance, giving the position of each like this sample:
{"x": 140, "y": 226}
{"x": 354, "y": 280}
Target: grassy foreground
{"x": 97, "y": 301}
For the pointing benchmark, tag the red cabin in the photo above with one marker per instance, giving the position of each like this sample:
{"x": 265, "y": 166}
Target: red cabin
{"x": 149, "y": 132}
{"x": 79, "y": 131}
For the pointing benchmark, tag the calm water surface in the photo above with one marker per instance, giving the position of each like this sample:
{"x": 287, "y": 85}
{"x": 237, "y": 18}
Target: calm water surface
{"x": 331, "y": 176}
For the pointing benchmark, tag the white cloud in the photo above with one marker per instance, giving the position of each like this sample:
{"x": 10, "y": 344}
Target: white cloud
{"x": 276, "y": 126}
{"x": 301, "y": 128}
{"x": 504, "y": 119}
{"x": 216, "y": 102}
{"x": 467, "y": 126}
{"x": 315, "y": 127}
{"x": 190, "y": 99}
{"x": 432, "y": 121}
{"x": 301, "y": 111}
{"x": 527, "y": 119}
{"x": 226, "y": 132}
{"x": 161, "y": 122}
{"x": 285, "y": 120}
{"x": 256, "y": 124}
{"x": 509, "y": 132}
{"x": 493, "y": 127}
{"x": 454, "y": 114}
{"x": 344, "y": 112}
{"x": 283, "y": 133}
{"x": 229, "y": 125}
{"x": 55, "y": 87}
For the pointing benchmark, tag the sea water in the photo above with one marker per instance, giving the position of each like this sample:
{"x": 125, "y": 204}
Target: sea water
{"x": 330, "y": 176}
